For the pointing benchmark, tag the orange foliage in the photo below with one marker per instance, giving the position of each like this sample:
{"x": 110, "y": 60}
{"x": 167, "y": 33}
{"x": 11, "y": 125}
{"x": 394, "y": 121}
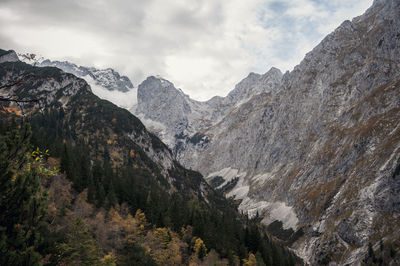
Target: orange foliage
{"x": 10, "y": 110}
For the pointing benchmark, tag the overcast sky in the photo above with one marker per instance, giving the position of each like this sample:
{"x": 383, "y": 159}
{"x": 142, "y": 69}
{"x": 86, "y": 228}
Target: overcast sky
{"x": 204, "y": 47}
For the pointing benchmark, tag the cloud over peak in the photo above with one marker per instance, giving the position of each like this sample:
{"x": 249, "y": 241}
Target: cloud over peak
{"x": 204, "y": 46}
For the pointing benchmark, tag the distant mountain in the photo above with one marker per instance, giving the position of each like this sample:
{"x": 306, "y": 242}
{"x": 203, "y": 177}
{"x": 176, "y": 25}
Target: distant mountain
{"x": 107, "y": 78}
{"x": 179, "y": 120}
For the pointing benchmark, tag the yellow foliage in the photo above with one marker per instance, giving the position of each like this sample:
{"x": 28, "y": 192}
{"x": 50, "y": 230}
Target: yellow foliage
{"x": 130, "y": 225}
{"x": 213, "y": 258}
{"x": 251, "y": 261}
{"x": 165, "y": 253}
{"x": 11, "y": 110}
{"x": 109, "y": 260}
{"x": 163, "y": 235}
{"x": 141, "y": 218}
{"x": 200, "y": 248}
{"x": 131, "y": 153}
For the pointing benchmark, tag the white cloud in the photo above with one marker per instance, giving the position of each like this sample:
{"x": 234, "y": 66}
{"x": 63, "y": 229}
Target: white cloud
{"x": 203, "y": 46}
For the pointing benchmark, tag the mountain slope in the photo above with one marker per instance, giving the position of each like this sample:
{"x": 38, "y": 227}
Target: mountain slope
{"x": 108, "y": 155}
{"x": 97, "y": 121}
{"x": 321, "y": 152}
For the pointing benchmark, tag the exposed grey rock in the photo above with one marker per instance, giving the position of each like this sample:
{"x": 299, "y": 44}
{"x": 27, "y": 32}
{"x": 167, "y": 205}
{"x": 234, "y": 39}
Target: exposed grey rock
{"x": 9, "y": 56}
{"x": 318, "y": 148}
{"x": 179, "y": 120}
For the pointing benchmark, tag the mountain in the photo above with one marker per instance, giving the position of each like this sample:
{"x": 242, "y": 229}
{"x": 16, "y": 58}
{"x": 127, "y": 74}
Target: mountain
{"x": 107, "y": 78}
{"x": 119, "y": 190}
{"x": 179, "y": 120}
{"x": 107, "y": 83}
{"x": 316, "y": 150}
{"x": 86, "y": 116}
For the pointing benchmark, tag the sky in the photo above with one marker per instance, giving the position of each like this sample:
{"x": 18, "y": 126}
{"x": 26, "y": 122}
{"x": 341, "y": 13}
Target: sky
{"x": 204, "y": 47}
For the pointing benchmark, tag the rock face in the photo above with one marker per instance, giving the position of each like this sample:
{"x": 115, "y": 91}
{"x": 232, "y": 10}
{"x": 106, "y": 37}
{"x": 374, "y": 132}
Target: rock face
{"x": 8, "y": 56}
{"x": 318, "y": 149}
{"x": 106, "y": 78}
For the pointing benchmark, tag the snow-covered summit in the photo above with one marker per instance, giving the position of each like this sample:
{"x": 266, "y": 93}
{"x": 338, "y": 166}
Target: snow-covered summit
{"x": 106, "y": 83}
{"x": 107, "y": 78}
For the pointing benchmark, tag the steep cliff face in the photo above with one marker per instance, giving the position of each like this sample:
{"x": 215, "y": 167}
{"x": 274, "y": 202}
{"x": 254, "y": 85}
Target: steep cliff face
{"x": 321, "y": 151}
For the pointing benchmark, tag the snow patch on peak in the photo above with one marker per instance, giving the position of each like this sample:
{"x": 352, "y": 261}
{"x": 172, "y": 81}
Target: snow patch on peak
{"x": 241, "y": 190}
{"x": 272, "y": 211}
{"x": 122, "y": 99}
{"x": 227, "y": 174}
{"x": 157, "y": 128}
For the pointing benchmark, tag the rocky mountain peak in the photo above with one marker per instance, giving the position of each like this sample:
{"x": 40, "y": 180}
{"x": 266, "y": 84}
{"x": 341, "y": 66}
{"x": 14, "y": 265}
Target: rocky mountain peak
{"x": 8, "y": 56}
{"x": 243, "y": 86}
{"x": 270, "y": 80}
{"x": 157, "y": 87}
{"x": 255, "y": 84}
{"x": 160, "y": 105}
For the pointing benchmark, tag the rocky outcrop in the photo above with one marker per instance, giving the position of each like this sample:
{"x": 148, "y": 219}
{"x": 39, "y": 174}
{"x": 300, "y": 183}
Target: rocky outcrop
{"x": 8, "y": 56}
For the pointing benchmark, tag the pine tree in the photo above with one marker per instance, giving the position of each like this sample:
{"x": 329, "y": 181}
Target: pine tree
{"x": 65, "y": 161}
{"x": 111, "y": 197}
{"x": 22, "y": 203}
